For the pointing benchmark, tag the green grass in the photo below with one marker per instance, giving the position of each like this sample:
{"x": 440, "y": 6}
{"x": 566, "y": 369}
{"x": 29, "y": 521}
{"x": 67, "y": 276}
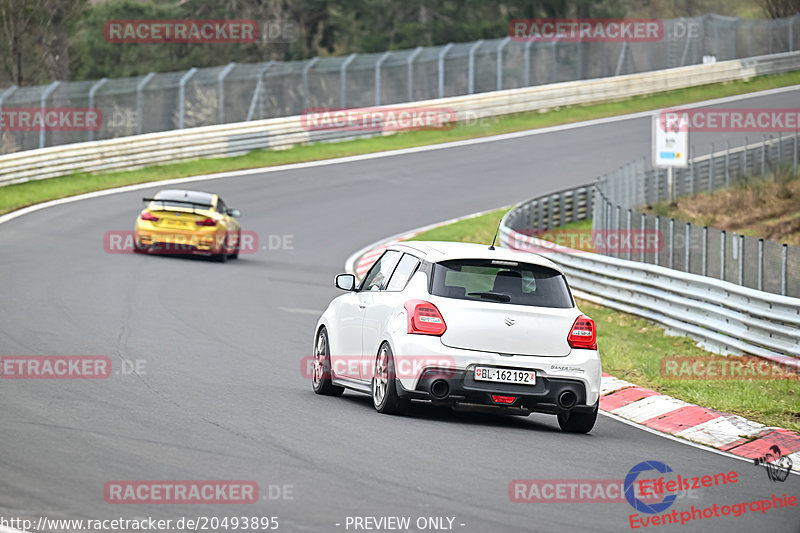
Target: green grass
{"x": 631, "y": 348}
{"x": 21, "y": 195}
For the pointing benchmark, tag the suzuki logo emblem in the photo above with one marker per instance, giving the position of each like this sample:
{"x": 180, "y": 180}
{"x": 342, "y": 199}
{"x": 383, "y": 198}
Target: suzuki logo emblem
{"x": 509, "y": 321}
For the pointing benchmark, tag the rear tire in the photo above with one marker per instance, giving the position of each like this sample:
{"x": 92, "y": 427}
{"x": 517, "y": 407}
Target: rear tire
{"x": 578, "y": 422}
{"x": 235, "y": 254}
{"x": 222, "y": 256}
{"x": 384, "y": 384}
{"x": 321, "y": 371}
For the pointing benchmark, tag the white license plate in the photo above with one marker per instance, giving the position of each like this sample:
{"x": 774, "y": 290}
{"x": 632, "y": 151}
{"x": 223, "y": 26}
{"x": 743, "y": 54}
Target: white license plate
{"x": 505, "y": 375}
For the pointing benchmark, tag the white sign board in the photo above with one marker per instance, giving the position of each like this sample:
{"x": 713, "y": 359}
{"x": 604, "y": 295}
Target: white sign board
{"x": 670, "y": 139}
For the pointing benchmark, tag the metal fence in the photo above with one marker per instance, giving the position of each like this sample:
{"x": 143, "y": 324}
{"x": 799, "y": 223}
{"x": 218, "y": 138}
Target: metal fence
{"x": 242, "y": 92}
{"x": 750, "y": 262}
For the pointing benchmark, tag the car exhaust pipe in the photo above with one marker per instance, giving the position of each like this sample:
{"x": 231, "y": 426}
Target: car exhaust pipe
{"x": 440, "y": 389}
{"x": 567, "y": 399}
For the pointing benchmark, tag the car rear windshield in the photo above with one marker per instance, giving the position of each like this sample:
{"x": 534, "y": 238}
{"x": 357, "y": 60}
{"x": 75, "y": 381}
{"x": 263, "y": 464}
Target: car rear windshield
{"x": 501, "y": 281}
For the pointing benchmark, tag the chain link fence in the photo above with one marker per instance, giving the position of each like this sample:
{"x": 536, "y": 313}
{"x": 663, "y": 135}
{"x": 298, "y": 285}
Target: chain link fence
{"x": 242, "y": 92}
{"x": 751, "y": 262}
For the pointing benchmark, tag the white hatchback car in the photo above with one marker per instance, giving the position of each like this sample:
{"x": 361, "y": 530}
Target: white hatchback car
{"x": 462, "y": 325}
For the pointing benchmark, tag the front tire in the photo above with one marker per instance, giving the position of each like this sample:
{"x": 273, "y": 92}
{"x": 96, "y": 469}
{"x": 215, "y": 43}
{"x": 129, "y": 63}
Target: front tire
{"x": 578, "y": 422}
{"x": 384, "y": 385}
{"x": 321, "y": 370}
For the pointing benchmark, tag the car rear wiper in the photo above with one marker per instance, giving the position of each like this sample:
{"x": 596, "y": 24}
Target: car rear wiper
{"x": 497, "y": 296}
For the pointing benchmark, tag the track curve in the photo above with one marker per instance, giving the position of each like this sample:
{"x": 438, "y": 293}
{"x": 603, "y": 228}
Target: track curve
{"x": 221, "y": 395}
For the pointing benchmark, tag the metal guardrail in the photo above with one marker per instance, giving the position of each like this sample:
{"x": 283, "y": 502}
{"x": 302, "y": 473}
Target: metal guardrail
{"x": 243, "y": 92}
{"x": 723, "y": 316}
{"x": 234, "y": 139}
{"x": 756, "y": 263}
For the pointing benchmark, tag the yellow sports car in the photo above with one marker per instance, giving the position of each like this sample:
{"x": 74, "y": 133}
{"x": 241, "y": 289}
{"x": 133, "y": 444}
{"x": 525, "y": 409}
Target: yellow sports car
{"x": 188, "y": 222}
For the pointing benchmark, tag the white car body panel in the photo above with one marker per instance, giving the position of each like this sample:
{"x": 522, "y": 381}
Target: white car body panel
{"x": 476, "y": 330}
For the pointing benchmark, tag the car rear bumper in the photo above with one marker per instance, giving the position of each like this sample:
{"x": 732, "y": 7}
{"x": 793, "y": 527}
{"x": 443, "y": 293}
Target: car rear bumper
{"x": 578, "y": 373}
{"x": 548, "y": 395}
{"x": 177, "y": 242}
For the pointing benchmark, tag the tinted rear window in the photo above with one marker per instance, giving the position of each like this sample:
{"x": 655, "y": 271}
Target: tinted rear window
{"x": 502, "y": 282}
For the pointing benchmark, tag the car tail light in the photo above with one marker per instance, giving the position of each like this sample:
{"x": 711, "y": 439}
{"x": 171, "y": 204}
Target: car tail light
{"x": 149, "y": 216}
{"x": 503, "y": 399}
{"x": 424, "y": 318}
{"x": 206, "y": 222}
{"x": 583, "y": 333}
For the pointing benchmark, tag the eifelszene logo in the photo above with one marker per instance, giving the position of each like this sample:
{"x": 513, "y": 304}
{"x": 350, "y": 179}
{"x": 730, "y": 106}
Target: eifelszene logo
{"x": 777, "y": 467}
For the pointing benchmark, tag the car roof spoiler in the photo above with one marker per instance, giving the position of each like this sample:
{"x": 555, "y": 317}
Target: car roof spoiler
{"x": 189, "y": 203}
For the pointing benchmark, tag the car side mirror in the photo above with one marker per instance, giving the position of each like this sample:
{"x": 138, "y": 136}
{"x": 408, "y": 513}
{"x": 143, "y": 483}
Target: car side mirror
{"x": 234, "y": 213}
{"x": 346, "y": 282}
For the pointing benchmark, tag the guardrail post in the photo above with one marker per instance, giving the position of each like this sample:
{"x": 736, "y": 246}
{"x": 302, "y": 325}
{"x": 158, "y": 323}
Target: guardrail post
{"x": 221, "y": 92}
{"x": 705, "y": 251}
{"x": 711, "y": 169}
{"x": 784, "y": 262}
{"x": 727, "y": 163}
{"x": 343, "y": 80}
{"x": 643, "y": 224}
{"x": 691, "y": 171}
{"x": 139, "y": 103}
{"x": 562, "y": 208}
{"x": 471, "y": 62}
{"x": 628, "y": 227}
{"x": 687, "y": 241}
{"x": 660, "y": 240}
{"x": 741, "y": 259}
{"x": 410, "y": 68}
{"x": 310, "y": 63}
{"x": 50, "y": 88}
{"x": 92, "y": 92}
{"x": 378, "y": 77}
{"x": 763, "y": 155}
{"x": 441, "y": 68}
{"x": 617, "y": 227}
{"x": 671, "y": 249}
{"x": 761, "y": 264}
{"x": 795, "y": 152}
{"x": 744, "y": 155}
{"x": 553, "y": 72}
{"x": 722, "y": 255}
{"x": 182, "y": 95}
{"x": 8, "y": 92}
{"x": 527, "y": 71}
{"x": 500, "y": 47}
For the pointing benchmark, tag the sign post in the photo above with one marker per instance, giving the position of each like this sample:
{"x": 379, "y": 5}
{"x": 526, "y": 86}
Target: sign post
{"x": 670, "y": 144}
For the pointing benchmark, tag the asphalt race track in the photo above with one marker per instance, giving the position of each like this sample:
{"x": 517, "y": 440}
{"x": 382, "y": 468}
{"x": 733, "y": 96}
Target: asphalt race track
{"x": 220, "y": 394}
